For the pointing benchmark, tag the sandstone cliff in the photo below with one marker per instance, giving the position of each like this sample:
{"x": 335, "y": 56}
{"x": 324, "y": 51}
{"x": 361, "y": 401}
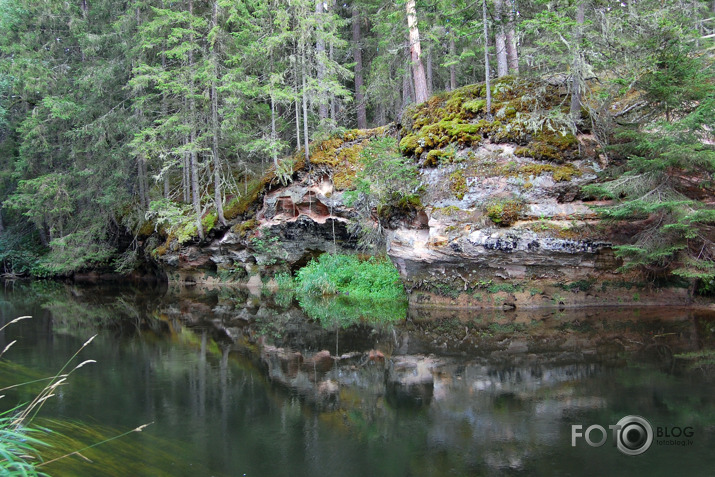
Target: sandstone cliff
{"x": 498, "y": 222}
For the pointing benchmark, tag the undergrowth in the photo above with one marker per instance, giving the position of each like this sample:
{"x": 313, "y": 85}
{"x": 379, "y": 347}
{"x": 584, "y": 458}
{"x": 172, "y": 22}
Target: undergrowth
{"x": 336, "y": 274}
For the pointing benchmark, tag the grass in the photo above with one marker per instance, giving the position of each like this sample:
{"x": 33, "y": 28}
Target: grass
{"x": 19, "y": 448}
{"x": 336, "y": 274}
{"x": 342, "y": 290}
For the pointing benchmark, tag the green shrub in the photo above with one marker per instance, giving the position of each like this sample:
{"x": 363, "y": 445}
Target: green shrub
{"x": 335, "y": 274}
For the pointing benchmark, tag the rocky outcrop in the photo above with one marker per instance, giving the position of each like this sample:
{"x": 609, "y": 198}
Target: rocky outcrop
{"x": 500, "y": 221}
{"x": 508, "y": 226}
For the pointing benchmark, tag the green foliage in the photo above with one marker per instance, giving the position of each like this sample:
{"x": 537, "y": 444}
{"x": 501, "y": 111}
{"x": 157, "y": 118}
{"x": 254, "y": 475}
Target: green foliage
{"x": 348, "y": 275}
{"x": 18, "y": 447}
{"x": 285, "y": 170}
{"x": 345, "y": 289}
{"x": 504, "y": 287}
{"x": 345, "y": 311}
{"x": 20, "y": 250}
{"x": 669, "y": 171}
{"x": 209, "y": 222}
{"x": 284, "y": 281}
{"x": 387, "y": 182}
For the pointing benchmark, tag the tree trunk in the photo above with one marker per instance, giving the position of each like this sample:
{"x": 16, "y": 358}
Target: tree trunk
{"x": 141, "y": 159}
{"x": 164, "y": 109}
{"x": 320, "y": 54}
{"x": 305, "y": 113}
{"x": 143, "y": 199}
{"x": 297, "y": 123}
{"x": 357, "y": 55}
{"x": 500, "y": 39}
{"x": 452, "y": 58}
{"x": 486, "y": 59}
{"x": 576, "y": 69}
{"x": 380, "y": 114}
{"x": 333, "y": 100}
{"x": 195, "y": 193}
{"x": 297, "y": 104}
{"x": 274, "y": 152}
{"x": 511, "y": 51}
{"x": 406, "y": 90}
{"x": 185, "y": 173}
{"x": 418, "y": 69}
{"x": 430, "y": 84}
{"x": 214, "y": 123}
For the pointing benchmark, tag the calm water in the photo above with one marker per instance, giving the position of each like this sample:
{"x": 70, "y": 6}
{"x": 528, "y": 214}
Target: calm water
{"x": 235, "y": 385}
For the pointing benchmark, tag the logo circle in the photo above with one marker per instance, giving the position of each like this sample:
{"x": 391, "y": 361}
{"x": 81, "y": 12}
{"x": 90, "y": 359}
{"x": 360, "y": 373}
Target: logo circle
{"x": 634, "y": 435}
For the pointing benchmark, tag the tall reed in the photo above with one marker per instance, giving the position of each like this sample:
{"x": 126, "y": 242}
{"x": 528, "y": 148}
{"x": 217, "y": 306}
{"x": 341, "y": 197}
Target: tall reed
{"x": 19, "y": 439}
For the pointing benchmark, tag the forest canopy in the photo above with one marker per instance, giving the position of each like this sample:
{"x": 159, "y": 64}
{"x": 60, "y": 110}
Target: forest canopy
{"x": 111, "y": 112}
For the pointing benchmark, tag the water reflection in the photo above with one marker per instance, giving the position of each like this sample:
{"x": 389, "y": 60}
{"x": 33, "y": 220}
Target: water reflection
{"x": 242, "y": 384}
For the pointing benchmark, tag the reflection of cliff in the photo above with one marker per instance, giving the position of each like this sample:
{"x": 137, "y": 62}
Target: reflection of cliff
{"x": 498, "y": 387}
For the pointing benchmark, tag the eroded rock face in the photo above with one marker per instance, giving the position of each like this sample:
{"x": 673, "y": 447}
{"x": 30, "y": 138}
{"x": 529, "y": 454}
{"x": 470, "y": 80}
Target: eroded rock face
{"x": 293, "y": 224}
{"x": 501, "y": 221}
{"x": 505, "y": 231}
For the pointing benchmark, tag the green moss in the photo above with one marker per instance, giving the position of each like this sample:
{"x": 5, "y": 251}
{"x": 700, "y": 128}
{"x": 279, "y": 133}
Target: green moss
{"x": 560, "y": 173}
{"x": 475, "y": 106}
{"x": 504, "y": 212}
{"x": 146, "y": 229}
{"x": 527, "y": 114}
{"x": 505, "y": 287}
{"x": 458, "y": 184}
{"x": 187, "y": 232}
{"x": 438, "y": 156}
{"x": 550, "y": 146}
{"x": 560, "y": 141}
{"x": 579, "y": 285}
{"x": 539, "y": 151}
{"x": 245, "y": 227}
{"x": 409, "y": 145}
{"x": 449, "y": 210}
{"x": 444, "y": 289}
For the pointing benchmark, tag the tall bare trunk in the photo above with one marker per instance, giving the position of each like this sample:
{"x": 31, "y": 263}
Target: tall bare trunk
{"x": 333, "y": 99}
{"x": 500, "y": 39}
{"x": 195, "y": 193}
{"x": 297, "y": 124}
{"x": 357, "y": 55}
{"x": 274, "y": 152}
{"x": 418, "y": 69}
{"x": 577, "y": 68}
{"x": 186, "y": 173}
{"x": 407, "y": 87}
{"x": 143, "y": 201}
{"x": 511, "y": 51}
{"x": 430, "y": 84}
{"x": 486, "y": 58}
{"x": 297, "y": 104}
{"x": 320, "y": 50}
{"x": 218, "y": 201}
{"x": 453, "y": 65}
{"x": 164, "y": 109}
{"x": 141, "y": 158}
{"x": 305, "y": 112}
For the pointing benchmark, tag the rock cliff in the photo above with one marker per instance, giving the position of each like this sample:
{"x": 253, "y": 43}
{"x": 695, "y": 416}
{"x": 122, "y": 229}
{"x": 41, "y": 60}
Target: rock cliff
{"x": 499, "y": 219}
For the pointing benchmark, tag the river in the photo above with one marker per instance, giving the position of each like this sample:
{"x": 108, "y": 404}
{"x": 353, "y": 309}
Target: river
{"x": 234, "y": 384}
